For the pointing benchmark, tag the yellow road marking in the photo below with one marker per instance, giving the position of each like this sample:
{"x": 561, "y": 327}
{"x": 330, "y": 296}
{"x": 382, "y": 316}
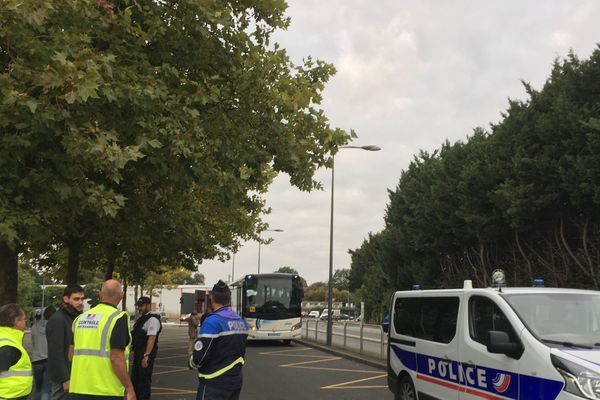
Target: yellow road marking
{"x": 344, "y": 385}
{"x": 170, "y": 372}
{"x": 268, "y": 353}
{"x": 167, "y": 357}
{"x": 360, "y": 371}
{"x": 170, "y": 391}
{"x": 312, "y": 362}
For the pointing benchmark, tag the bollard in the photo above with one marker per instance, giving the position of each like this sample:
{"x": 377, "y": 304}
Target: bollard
{"x": 361, "y": 338}
{"x": 345, "y": 326}
{"x": 317, "y": 330}
{"x": 382, "y": 344}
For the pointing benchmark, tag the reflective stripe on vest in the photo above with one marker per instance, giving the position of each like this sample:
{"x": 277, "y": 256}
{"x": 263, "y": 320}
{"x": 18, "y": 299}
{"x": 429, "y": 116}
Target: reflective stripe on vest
{"x": 103, "y": 341}
{"x": 15, "y": 373}
{"x": 222, "y": 370}
{"x": 92, "y": 372}
{"x": 18, "y": 380}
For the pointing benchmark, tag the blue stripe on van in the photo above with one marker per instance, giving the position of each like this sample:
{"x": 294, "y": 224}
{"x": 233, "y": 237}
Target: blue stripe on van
{"x": 479, "y": 378}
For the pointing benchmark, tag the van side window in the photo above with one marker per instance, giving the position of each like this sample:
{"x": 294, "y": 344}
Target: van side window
{"x": 428, "y": 318}
{"x": 485, "y": 316}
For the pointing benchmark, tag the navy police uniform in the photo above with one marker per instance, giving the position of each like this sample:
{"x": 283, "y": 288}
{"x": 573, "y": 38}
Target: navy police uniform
{"x": 219, "y": 353}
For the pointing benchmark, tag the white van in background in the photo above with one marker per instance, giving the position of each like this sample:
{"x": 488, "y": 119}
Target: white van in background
{"x": 495, "y": 343}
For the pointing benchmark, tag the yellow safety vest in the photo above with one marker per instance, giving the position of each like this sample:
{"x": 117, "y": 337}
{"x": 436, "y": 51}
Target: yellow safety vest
{"x": 92, "y": 372}
{"x": 18, "y": 380}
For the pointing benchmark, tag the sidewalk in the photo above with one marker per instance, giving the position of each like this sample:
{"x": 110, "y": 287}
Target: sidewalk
{"x": 340, "y": 352}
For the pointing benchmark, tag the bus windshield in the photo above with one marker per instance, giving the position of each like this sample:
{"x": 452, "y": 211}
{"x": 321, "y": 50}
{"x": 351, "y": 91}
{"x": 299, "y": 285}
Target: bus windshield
{"x": 272, "y": 297}
{"x": 560, "y": 317}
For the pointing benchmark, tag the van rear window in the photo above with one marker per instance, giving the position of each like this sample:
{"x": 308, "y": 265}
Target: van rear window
{"x": 428, "y": 318}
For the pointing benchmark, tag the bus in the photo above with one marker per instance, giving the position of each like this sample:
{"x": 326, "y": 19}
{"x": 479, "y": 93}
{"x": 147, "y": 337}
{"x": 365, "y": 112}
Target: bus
{"x": 270, "y": 304}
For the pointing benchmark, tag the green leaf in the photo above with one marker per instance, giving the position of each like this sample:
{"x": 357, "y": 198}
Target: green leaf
{"x": 31, "y": 104}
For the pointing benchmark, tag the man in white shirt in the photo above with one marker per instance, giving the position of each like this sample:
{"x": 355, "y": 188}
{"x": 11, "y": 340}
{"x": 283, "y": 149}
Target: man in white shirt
{"x": 145, "y": 334}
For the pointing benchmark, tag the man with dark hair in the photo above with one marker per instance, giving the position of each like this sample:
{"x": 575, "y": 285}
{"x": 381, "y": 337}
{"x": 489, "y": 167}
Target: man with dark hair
{"x": 220, "y": 349}
{"x": 59, "y": 334}
{"x": 144, "y": 344}
{"x": 16, "y": 374}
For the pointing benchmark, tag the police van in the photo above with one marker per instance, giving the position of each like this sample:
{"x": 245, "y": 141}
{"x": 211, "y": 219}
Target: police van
{"x": 495, "y": 343}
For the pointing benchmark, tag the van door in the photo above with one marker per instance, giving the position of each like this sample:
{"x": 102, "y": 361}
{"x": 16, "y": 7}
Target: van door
{"x": 484, "y": 374}
{"x": 425, "y": 343}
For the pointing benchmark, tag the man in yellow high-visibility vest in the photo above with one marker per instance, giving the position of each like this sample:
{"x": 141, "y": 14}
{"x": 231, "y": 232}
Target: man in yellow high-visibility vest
{"x": 100, "y": 350}
{"x": 16, "y": 373}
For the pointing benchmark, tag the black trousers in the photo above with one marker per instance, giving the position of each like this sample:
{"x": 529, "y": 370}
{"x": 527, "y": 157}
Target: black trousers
{"x": 206, "y": 392}
{"x": 142, "y": 377}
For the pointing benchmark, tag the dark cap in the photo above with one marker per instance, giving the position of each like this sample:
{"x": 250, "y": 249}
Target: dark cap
{"x": 142, "y": 300}
{"x": 221, "y": 287}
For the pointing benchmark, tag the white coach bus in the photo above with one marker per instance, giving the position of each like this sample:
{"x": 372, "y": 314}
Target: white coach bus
{"x": 271, "y": 304}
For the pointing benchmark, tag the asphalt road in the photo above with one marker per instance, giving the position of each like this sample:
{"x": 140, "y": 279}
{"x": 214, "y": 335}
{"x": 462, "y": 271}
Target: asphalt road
{"x": 273, "y": 371}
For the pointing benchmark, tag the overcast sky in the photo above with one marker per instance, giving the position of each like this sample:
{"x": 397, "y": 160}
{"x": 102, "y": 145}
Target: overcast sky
{"x": 411, "y": 74}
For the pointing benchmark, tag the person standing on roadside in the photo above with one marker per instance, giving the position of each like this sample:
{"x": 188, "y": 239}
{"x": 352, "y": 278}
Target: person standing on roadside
{"x": 193, "y": 321}
{"x": 100, "y": 350}
{"x": 145, "y": 334}
{"x": 220, "y": 349}
{"x": 39, "y": 353}
{"x": 59, "y": 333}
{"x": 16, "y": 373}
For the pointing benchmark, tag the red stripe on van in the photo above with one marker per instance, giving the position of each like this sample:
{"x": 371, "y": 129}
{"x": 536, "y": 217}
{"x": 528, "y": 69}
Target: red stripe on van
{"x": 459, "y": 388}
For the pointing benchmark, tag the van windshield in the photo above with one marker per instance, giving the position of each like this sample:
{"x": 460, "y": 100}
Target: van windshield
{"x": 560, "y": 317}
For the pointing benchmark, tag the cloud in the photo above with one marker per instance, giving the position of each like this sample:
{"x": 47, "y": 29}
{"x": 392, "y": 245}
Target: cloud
{"x": 411, "y": 74}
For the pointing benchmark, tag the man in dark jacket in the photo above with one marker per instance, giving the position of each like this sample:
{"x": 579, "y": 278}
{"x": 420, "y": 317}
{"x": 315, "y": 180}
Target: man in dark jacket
{"x": 144, "y": 336}
{"x": 220, "y": 349}
{"x": 59, "y": 334}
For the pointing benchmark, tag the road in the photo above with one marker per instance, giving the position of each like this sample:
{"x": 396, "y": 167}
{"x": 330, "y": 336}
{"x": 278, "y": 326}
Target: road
{"x": 273, "y": 371}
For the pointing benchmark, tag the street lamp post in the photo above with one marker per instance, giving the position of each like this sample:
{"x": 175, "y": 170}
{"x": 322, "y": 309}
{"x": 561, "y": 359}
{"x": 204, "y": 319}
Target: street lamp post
{"x": 233, "y": 268}
{"x": 266, "y": 230}
{"x": 330, "y": 284}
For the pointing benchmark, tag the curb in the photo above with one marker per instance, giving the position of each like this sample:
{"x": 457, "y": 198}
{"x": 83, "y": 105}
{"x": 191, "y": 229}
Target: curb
{"x": 373, "y": 362}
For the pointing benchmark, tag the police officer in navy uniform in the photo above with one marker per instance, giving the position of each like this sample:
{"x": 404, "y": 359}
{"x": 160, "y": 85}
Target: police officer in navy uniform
{"x": 220, "y": 349}
{"x": 144, "y": 335}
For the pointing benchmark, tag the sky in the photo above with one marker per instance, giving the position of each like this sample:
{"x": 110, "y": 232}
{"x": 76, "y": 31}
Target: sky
{"x": 411, "y": 75}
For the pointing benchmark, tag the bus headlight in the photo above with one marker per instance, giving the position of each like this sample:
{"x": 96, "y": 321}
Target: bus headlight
{"x": 253, "y": 329}
{"x": 579, "y": 380}
{"x": 297, "y": 326}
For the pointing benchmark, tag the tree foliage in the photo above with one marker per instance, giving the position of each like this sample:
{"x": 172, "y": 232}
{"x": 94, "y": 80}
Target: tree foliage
{"x": 522, "y": 196}
{"x": 137, "y": 133}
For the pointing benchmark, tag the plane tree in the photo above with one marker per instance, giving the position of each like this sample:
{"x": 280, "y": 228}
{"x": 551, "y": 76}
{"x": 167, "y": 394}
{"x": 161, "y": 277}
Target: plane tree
{"x": 149, "y": 130}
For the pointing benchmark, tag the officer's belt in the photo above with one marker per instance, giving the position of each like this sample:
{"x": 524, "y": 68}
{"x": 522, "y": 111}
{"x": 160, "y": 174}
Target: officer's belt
{"x": 8, "y": 374}
{"x": 222, "y": 370}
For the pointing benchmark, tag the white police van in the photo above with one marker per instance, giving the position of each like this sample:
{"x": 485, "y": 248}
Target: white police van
{"x": 495, "y": 343}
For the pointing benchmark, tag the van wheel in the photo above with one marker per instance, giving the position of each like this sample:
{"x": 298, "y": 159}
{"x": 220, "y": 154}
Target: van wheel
{"x": 406, "y": 390}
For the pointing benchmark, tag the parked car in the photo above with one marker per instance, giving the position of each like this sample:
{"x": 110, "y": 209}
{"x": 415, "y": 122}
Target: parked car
{"x": 313, "y": 314}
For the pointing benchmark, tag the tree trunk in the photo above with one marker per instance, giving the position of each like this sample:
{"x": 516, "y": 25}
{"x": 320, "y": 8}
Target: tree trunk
{"x": 124, "y": 303}
{"x": 529, "y": 268}
{"x": 110, "y": 266}
{"x": 9, "y": 268}
{"x": 74, "y": 244}
{"x": 587, "y": 272}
